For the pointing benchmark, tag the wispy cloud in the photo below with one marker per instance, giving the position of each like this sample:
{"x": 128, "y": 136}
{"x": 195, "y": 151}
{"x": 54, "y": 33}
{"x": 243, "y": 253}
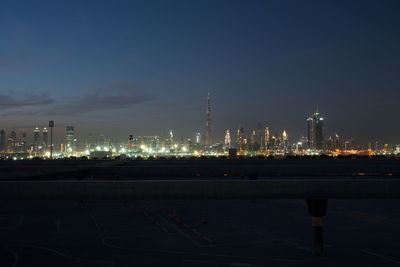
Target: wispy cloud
{"x": 11, "y": 100}
{"x": 115, "y": 97}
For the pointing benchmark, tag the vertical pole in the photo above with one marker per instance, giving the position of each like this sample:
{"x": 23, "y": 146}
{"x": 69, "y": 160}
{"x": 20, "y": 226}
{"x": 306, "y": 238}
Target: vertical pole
{"x": 317, "y": 209}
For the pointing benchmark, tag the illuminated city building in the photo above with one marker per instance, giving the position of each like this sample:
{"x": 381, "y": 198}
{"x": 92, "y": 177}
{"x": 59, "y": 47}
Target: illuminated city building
{"x": 3, "y": 141}
{"x": 330, "y": 144}
{"x": 274, "y": 143}
{"x": 36, "y": 138}
{"x": 260, "y": 137}
{"x": 209, "y": 140}
{"x": 240, "y": 139}
{"x": 45, "y": 135}
{"x": 284, "y": 136}
{"x": 130, "y": 143}
{"x": 266, "y": 138}
{"x": 285, "y": 141}
{"x": 12, "y": 140}
{"x": 386, "y": 148}
{"x": 171, "y": 137}
{"x": 315, "y": 131}
{"x": 149, "y": 144}
{"x": 198, "y": 138}
{"x": 254, "y": 146}
{"x": 69, "y": 139}
{"x": 337, "y": 142}
{"x": 24, "y": 143}
{"x": 227, "y": 139}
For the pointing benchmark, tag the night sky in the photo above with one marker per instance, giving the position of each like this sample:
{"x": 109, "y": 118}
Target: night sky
{"x": 144, "y": 67}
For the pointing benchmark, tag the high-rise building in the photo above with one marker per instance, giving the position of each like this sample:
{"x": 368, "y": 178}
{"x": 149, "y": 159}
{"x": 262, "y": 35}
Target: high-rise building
{"x": 227, "y": 139}
{"x": 70, "y": 139}
{"x": 23, "y": 141}
{"x": 260, "y": 138}
{"x": 45, "y": 135}
{"x": 267, "y": 139}
{"x": 3, "y": 141}
{"x": 130, "y": 143}
{"x": 12, "y": 141}
{"x": 171, "y": 137}
{"x": 208, "y": 122}
{"x": 285, "y": 141}
{"x": 198, "y": 138}
{"x": 36, "y": 137}
{"x": 337, "y": 144}
{"x": 253, "y": 141}
{"x": 315, "y": 126}
{"x": 274, "y": 142}
{"x": 240, "y": 139}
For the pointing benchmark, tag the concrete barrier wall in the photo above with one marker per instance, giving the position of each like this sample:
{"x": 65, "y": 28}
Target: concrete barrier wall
{"x": 263, "y": 168}
{"x": 193, "y": 168}
{"x": 199, "y": 189}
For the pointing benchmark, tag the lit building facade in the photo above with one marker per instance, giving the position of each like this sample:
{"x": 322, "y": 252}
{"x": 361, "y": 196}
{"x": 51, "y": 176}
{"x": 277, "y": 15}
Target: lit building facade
{"x": 227, "y": 139}
{"x": 45, "y": 137}
{"x": 69, "y": 139}
{"x": 3, "y": 141}
{"x": 36, "y": 138}
{"x": 315, "y": 126}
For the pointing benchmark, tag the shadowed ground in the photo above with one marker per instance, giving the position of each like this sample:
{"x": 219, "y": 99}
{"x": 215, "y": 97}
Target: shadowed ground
{"x": 196, "y": 233}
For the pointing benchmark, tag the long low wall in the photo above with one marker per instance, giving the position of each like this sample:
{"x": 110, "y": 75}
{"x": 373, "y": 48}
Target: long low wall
{"x": 200, "y": 189}
{"x": 235, "y": 168}
{"x": 185, "y": 168}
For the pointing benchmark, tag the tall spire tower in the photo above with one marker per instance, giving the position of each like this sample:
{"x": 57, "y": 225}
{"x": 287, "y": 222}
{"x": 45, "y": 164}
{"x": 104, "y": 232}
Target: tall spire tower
{"x": 208, "y": 122}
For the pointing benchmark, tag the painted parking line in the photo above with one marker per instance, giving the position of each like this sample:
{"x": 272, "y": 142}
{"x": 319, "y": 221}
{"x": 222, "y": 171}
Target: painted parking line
{"x": 107, "y": 263}
{"x": 381, "y": 256}
{"x": 108, "y": 244}
{"x": 15, "y": 254}
{"x": 232, "y": 264}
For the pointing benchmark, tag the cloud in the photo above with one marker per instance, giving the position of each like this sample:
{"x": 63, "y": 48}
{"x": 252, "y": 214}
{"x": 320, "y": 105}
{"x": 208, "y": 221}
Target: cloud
{"x": 115, "y": 97}
{"x": 13, "y": 100}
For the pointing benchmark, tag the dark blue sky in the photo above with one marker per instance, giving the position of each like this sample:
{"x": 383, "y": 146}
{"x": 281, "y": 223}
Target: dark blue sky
{"x": 144, "y": 67}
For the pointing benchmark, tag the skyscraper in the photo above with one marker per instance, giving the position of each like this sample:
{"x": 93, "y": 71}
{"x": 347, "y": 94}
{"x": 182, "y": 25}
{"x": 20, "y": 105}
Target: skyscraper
{"x": 240, "y": 139}
{"x": 208, "y": 122}
{"x": 23, "y": 141}
{"x": 198, "y": 138}
{"x": 227, "y": 139}
{"x": 2, "y": 141}
{"x": 260, "y": 138}
{"x": 45, "y": 135}
{"x": 315, "y": 131}
{"x": 12, "y": 140}
{"x": 253, "y": 140}
{"x": 267, "y": 139}
{"x": 285, "y": 141}
{"x": 171, "y": 137}
{"x": 36, "y": 137}
{"x": 70, "y": 138}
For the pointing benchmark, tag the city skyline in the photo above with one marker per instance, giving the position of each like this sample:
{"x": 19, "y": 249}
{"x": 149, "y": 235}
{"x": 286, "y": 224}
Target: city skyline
{"x": 149, "y": 68}
{"x": 197, "y": 136}
{"x": 261, "y": 139}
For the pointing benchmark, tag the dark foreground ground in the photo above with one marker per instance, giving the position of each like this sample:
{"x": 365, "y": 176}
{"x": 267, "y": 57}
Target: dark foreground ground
{"x": 196, "y": 233}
